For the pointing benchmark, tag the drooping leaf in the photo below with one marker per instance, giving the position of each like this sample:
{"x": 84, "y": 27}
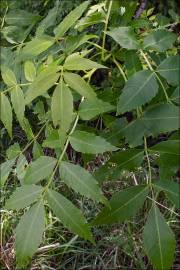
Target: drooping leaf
{"x": 77, "y": 62}
{"x": 69, "y": 215}
{"x": 159, "y": 118}
{"x": 81, "y": 181}
{"x": 159, "y": 240}
{"x": 91, "y": 108}
{"x": 62, "y": 106}
{"x": 159, "y": 40}
{"x": 36, "y": 46}
{"x": 8, "y": 76}
{"x": 42, "y": 83}
{"x": 5, "y": 169}
{"x": 123, "y": 205}
{"x": 89, "y": 143}
{"x": 138, "y": 90}
{"x": 39, "y": 169}
{"x": 29, "y": 71}
{"x": 23, "y": 196}
{"x": 170, "y": 69}
{"x": 171, "y": 189}
{"x": 37, "y": 150}
{"x": 17, "y": 99}
{"x": 125, "y": 37}
{"x": 79, "y": 85}
{"x": 70, "y": 19}
{"x": 29, "y": 234}
{"x": 6, "y": 113}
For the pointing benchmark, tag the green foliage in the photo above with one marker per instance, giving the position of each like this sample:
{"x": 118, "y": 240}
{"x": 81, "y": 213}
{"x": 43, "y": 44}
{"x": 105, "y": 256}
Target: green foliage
{"x": 81, "y": 88}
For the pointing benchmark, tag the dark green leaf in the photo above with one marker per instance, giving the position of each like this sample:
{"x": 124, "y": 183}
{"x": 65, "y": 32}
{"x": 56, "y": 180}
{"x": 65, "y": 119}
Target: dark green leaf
{"x": 39, "y": 169}
{"x": 123, "y": 205}
{"x": 69, "y": 215}
{"x": 23, "y": 196}
{"x": 159, "y": 240}
{"x": 139, "y": 89}
{"x": 29, "y": 234}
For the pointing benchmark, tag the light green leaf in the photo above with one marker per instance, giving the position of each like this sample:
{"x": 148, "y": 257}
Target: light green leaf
{"x": 8, "y": 76}
{"x": 125, "y": 37}
{"x": 37, "y": 150}
{"x": 91, "y": 108}
{"x": 89, "y": 143}
{"x": 23, "y": 196}
{"x": 159, "y": 118}
{"x": 139, "y": 89}
{"x": 36, "y": 46}
{"x": 62, "y": 106}
{"x": 29, "y": 71}
{"x": 79, "y": 85}
{"x": 81, "y": 181}
{"x": 39, "y": 169}
{"x": 70, "y": 19}
{"x": 69, "y": 215}
{"x": 5, "y": 169}
{"x": 159, "y": 240}
{"x": 29, "y": 234}
{"x": 171, "y": 189}
{"x": 170, "y": 69}
{"x": 6, "y": 113}
{"x": 21, "y": 166}
{"x": 77, "y": 62}
{"x": 159, "y": 40}
{"x": 123, "y": 205}
{"x": 17, "y": 99}
{"x": 45, "y": 80}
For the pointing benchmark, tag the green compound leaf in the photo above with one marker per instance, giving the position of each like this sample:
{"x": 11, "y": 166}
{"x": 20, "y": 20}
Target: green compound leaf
{"x": 91, "y": 108}
{"x": 79, "y": 85}
{"x": 6, "y": 113}
{"x": 18, "y": 102}
{"x": 171, "y": 189}
{"x": 139, "y": 89}
{"x": 45, "y": 80}
{"x": 39, "y": 169}
{"x": 70, "y": 19}
{"x": 81, "y": 181}
{"x": 159, "y": 240}
{"x": 170, "y": 69}
{"x": 159, "y": 118}
{"x": 123, "y": 205}
{"x": 62, "y": 106}
{"x": 29, "y": 71}
{"x": 8, "y": 76}
{"x": 125, "y": 36}
{"x": 159, "y": 40}
{"x": 89, "y": 143}
{"x": 23, "y": 196}
{"x": 77, "y": 62}
{"x": 29, "y": 234}
{"x": 69, "y": 215}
